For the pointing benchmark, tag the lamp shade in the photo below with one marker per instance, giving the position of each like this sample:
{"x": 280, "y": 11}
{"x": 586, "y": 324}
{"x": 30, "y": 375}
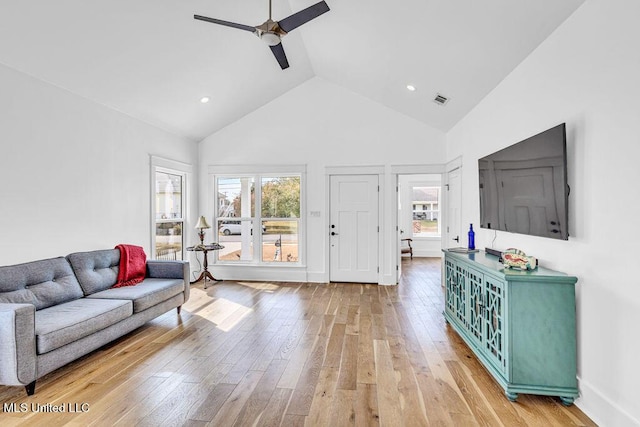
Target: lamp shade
{"x": 202, "y": 223}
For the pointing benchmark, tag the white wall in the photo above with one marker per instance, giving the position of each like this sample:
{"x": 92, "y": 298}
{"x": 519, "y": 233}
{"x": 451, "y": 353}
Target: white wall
{"x": 74, "y": 175}
{"x": 323, "y": 125}
{"x": 585, "y": 74}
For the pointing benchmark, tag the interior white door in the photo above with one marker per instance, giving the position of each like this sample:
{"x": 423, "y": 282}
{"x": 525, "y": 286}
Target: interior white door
{"x": 399, "y": 229}
{"x": 354, "y": 228}
{"x": 454, "y": 200}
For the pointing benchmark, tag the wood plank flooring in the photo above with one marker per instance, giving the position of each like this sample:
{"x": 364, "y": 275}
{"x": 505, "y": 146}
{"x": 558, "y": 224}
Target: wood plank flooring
{"x": 289, "y": 354}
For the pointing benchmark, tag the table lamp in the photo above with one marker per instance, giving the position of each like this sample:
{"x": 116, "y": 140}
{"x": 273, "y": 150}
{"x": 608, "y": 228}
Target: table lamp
{"x": 202, "y": 225}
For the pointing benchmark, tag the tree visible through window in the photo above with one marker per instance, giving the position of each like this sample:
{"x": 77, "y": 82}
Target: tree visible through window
{"x": 280, "y": 214}
{"x": 273, "y": 207}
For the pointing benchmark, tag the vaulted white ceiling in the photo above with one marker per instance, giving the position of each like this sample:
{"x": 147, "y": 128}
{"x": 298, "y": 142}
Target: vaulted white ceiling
{"x": 150, "y": 59}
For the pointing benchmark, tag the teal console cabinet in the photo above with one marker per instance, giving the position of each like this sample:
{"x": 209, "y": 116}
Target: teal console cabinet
{"x": 520, "y": 324}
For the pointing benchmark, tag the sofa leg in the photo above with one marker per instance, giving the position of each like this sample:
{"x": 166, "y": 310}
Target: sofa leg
{"x": 30, "y": 388}
{"x": 179, "y": 308}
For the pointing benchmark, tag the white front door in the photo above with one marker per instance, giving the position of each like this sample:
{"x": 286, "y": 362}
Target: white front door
{"x": 354, "y": 228}
{"x": 454, "y": 201}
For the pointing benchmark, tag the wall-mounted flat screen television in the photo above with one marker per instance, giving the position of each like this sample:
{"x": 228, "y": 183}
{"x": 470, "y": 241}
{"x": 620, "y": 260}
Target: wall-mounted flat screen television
{"x": 523, "y": 188}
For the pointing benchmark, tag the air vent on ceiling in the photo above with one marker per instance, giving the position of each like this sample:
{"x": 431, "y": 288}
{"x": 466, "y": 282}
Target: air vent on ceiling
{"x": 440, "y": 99}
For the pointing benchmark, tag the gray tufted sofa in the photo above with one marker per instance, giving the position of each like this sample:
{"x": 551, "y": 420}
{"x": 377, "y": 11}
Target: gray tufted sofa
{"x": 55, "y": 310}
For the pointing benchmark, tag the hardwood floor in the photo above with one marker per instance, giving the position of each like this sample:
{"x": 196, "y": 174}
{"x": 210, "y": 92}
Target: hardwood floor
{"x": 271, "y": 354}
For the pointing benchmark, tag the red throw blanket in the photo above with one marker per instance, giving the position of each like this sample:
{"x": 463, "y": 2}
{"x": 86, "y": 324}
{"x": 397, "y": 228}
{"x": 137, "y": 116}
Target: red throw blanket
{"x": 133, "y": 265}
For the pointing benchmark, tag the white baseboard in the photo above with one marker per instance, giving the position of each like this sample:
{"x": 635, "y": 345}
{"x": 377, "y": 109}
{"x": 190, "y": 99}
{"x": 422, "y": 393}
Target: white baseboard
{"x": 602, "y": 410}
{"x": 265, "y": 274}
{"x": 425, "y": 254}
{"x": 317, "y": 277}
{"x": 388, "y": 280}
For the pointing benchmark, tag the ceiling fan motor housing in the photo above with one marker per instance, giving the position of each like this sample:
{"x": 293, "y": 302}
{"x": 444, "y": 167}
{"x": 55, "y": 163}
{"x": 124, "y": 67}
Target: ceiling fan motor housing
{"x": 270, "y": 32}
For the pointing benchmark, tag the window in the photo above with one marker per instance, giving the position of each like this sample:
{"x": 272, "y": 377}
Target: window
{"x": 426, "y": 211}
{"x": 267, "y": 202}
{"x": 280, "y": 218}
{"x": 168, "y": 209}
{"x": 236, "y": 196}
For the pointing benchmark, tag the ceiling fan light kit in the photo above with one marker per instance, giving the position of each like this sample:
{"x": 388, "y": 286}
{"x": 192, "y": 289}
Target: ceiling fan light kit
{"x": 270, "y": 38}
{"x": 271, "y": 32}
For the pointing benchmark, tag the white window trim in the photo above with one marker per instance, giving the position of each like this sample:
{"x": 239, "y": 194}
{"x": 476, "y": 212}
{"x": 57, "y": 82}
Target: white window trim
{"x": 258, "y": 172}
{"x": 185, "y": 170}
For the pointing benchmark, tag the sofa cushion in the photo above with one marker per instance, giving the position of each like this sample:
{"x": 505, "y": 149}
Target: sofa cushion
{"x": 43, "y": 283}
{"x": 145, "y": 294}
{"x": 96, "y": 270}
{"x": 65, "y": 323}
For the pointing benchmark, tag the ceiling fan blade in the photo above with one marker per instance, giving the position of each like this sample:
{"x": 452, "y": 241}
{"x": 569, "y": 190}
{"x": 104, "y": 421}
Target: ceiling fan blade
{"x": 294, "y": 21}
{"x": 278, "y": 52}
{"x": 225, "y": 23}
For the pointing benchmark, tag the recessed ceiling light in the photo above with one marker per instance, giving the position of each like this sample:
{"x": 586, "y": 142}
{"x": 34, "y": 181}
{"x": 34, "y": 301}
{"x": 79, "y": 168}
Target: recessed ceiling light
{"x": 204, "y": 99}
{"x": 412, "y": 88}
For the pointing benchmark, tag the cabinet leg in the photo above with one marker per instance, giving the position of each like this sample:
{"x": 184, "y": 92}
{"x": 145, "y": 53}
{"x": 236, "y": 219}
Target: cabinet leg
{"x": 511, "y": 396}
{"x": 445, "y": 317}
{"x": 567, "y": 401}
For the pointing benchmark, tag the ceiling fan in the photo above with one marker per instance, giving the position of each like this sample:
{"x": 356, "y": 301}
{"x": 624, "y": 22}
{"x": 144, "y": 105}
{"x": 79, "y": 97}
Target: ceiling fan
{"x": 272, "y": 31}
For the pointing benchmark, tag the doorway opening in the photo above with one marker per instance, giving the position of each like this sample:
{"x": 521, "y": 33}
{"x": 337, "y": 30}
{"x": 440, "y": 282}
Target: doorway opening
{"x": 419, "y": 216}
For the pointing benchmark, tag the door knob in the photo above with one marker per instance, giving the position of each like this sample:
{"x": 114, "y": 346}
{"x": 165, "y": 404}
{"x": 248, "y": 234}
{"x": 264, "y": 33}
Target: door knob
{"x": 457, "y": 239}
{"x": 333, "y": 233}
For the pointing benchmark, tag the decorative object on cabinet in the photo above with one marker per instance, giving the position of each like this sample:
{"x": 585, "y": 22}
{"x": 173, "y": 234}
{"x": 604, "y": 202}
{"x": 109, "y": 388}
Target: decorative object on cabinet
{"x": 515, "y": 258}
{"x": 462, "y": 250}
{"x": 520, "y": 324}
{"x": 471, "y": 238}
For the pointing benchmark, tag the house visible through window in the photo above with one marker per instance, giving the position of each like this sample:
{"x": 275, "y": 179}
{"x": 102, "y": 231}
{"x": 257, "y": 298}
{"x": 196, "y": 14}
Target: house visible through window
{"x": 168, "y": 211}
{"x": 236, "y": 196}
{"x": 426, "y": 211}
{"x": 269, "y": 203}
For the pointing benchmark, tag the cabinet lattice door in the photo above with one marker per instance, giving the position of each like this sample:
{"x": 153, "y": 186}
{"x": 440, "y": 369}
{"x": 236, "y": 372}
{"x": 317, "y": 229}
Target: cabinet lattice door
{"x": 493, "y": 316}
{"x": 477, "y": 321}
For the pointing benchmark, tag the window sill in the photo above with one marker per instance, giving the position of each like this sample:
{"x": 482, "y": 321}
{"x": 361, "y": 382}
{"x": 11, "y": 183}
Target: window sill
{"x": 427, "y": 238}
{"x": 256, "y": 265}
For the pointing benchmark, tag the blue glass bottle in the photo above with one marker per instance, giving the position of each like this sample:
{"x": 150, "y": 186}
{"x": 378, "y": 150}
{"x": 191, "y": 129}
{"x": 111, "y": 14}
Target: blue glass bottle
{"x": 472, "y": 238}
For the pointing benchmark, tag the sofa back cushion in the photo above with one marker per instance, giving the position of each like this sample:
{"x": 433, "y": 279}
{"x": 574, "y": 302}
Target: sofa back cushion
{"x": 43, "y": 283}
{"x": 95, "y": 270}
